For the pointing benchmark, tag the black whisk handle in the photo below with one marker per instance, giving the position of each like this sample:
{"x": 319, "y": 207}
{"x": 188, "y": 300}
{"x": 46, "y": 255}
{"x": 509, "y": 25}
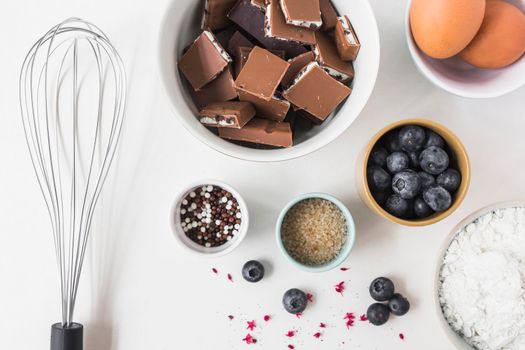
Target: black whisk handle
{"x": 67, "y": 338}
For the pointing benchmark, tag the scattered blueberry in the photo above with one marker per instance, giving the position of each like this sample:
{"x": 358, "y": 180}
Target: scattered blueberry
{"x": 412, "y": 138}
{"x": 397, "y": 206}
{"x": 378, "y": 178}
{"x": 378, "y": 314}
{"x": 398, "y": 305}
{"x": 437, "y": 198}
{"x": 414, "y": 159}
{"x": 392, "y": 141}
{"x": 406, "y": 184}
{"x": 426, "y": 179}
{"x": 421, "y": 208}
{"x": 434, "y": 139}
{"x": 450, "y": 180}
{"x": 381, "y": 196}
{"x": 397, "y": 161}
{"x": 434, "y": 160}
{"x": 378, "y": 156}
{"x": 295, "y": 301}
{"x": 253, "y": 271}
{"x": 381, "y": 289}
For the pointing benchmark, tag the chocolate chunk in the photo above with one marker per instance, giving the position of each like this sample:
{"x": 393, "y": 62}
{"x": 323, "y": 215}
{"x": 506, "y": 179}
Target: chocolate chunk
{"x": 296, "y": 65}
{"x": 231, "y": 114}
{"x": 346, "y": 40}
{"x": 328, "y": 15}
{"x": 259, "y": 3}
{"x": 215, "y": 14}
{"x": 326, "y": 54}
{"x": 220, "y": 89}
{"x": 302, "y": 13}
{"x": 261, "y": 74}
{"x": 275, "y": 109}
{"x": 224, "y": 37}
{"x": 261, "y": 131}
{"x": 237, "y": 40}
{"x": 251, "y": 18}
{"x": 276, "y": 26}
{"x": 204, "y": 60}
{"x": 315, "y": 91}
{"x": 242, "y": 53}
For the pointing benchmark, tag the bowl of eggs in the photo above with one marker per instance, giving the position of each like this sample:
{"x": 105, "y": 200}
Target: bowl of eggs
{"x": 470, "y": 48}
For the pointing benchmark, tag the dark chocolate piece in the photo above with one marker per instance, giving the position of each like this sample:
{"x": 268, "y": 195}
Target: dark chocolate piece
{"x": 220, "y": 89}
{"x": 231, "y": 114}
{"x": 346, "y": 40}
{"x": 215, "y": 14}
{"x": 261, "y": 131}
{"x": 296, "y": 65}
{"x": 224, "y": 37}
{"x": 276, "y": 26}
{"x": 275, "y": 109}
{"x": 302, "y": 13}
{"x": 328, "y": 58}
{"x": 328, "y": 15}
{"x": 237, "y": 40}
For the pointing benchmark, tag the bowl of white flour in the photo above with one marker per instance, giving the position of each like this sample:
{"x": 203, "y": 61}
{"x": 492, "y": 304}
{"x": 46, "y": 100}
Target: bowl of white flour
{"x": 481, "y": 280}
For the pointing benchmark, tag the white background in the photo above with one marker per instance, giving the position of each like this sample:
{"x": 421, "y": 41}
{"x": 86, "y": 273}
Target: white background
{"x": 139, "y": 291}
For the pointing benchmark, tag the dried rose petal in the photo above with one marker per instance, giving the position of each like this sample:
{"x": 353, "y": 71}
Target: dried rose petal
{"x": 214, "y": 270}
{"x": 363, "y": 318}
{"x": 267, "y": 318}
{"x": 291, "y": 346}
{"x": 349, "y": 317}
{"x": 317, "y": 335}
{"x": 249, "y": 339}
{"x": 344, "y": 268}
{"x": 401, "y": 336}
{"x": 290, "y": 334}
{"x": 230, "y": 317}
{"x": 298, "y": 315}
{"x": 230, "y": 277}
{"x": 251, "y": 325}
{"x": 340, "y": 287}
{"x": 310, "y": 297}
{"x": 322, "y": 325}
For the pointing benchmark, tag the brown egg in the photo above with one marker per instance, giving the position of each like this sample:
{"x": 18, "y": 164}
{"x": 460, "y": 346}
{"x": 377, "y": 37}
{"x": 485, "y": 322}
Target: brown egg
{"x": 501, "y": 38}
{"x": 442, "y": 28}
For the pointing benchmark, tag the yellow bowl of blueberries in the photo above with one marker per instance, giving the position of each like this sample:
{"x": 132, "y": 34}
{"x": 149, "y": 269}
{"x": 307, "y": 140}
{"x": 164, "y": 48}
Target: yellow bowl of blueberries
{"x": 414, "y": 172}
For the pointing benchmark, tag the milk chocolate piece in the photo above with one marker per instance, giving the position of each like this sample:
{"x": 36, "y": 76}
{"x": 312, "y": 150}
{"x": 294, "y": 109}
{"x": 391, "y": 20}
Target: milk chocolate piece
{"x": 204, "y": 60}
{"x": 328, "y": 15}
{"x": 260, "y": 4}
{"x": 275, "y": 109}
{"x": 261, "y": 131}
{"x": 220, "y": 89}
{"x": 302, "y": 13}
{"x": 316, "y": 92}
{"x": 242, "y": 53}
{"x": 326, "y": 54}
{"x": 236, "y": 41}
{"x": 251, "y": 18}
{"x": 215, "y": 14}
{"x": 276, "y": 26}
{"x": 346, "y": 40}
{"x": 296, "y": 65}
{"x": 231, "y": 114}
{"x": 261, "y": 74}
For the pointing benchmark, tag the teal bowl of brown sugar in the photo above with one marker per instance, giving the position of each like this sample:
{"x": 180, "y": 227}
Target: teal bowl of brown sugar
{"x": 315, "y": 232}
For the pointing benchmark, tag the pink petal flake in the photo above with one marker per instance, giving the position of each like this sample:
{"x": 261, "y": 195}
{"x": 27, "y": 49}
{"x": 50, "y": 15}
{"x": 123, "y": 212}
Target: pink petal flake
{"x": 291, "y": 346}
{"x": 230, "y": 317}
{"x": 290, "y": 334}
{"x": 214, "y": 270}
{"x": 401, "y": 336}
{"x": 249, "y": 339}
{"x": 340, "y": 287}
{"x": 230, "y": 278}
{"x": 310, "y": 297}
{"x": 267, "y": 318}
{"x": 251, "y": 325}
{"x": 349, "y": 317}
{"x": 344, "y": 268}
{"x": 322, "y": 325}
{"x": 298, "y": 315}
{"x": 317, "y": 335}
{"x": 363, "y": 318}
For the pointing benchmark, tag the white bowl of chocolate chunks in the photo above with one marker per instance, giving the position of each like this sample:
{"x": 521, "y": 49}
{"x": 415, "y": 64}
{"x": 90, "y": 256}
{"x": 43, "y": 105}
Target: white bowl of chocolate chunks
{"x": 268, "y": 80}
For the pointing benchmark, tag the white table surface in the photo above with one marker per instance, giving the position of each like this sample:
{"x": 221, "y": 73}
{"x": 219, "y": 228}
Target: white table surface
{"x": 140, "y": 292}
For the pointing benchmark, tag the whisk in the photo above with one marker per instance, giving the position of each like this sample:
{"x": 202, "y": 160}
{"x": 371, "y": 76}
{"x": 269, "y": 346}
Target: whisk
{"x": 72, "y": 98}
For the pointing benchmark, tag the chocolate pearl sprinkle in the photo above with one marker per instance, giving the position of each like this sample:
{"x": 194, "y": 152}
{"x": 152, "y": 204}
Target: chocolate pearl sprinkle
{"x": 210, "y": 216}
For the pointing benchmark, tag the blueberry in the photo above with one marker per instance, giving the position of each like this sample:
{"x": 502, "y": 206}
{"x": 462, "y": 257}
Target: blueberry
{"x": 437, "y": 198}
{"x": 381, "y": 289}
{"x": 449, "y": 180}
{"x": 398, "y": 305}
{"x": 381, "y": 196}
{"x": 412, "y": 138}
{"x": 253, "y": 271}
{"x": 406, "y": 184}
{"x": 426, "y": 179}
{"x": 414, "y": 159}
{"x": 397, "y": 161}
{"x": 421, "y": 208}
{"x": 295, "y": 301}
{"x": 378, "y": 178}
{"x": 378, "y": 314}
{"x": 392, "y": 141}
{"x": 378, "y": 157}
{"x": 434, "y": 139}
{"x": 397, "y": 206}
{"x": 434, "y": 160}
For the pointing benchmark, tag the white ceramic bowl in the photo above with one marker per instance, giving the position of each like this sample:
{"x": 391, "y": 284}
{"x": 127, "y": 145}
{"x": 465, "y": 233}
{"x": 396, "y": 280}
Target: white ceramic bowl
{"x": 181, "y": 26}
{"x": 462, "y": 79}
{"x": 455, "y": 339}
{"x": 193, "y": 247}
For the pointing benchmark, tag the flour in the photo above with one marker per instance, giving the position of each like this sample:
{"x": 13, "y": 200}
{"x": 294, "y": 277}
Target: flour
{"x": 483, "y": 281}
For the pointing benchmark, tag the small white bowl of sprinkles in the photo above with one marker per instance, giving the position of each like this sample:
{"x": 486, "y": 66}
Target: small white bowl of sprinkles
{"x": 315, "y": 232}
{"x": 209, "y": 218}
